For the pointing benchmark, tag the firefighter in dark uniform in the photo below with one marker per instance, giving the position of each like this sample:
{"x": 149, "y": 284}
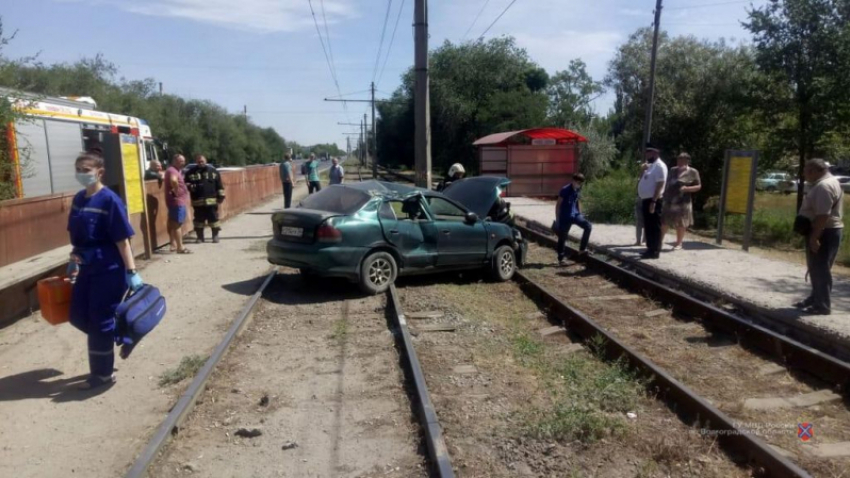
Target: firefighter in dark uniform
{"x": 207, "y": 192}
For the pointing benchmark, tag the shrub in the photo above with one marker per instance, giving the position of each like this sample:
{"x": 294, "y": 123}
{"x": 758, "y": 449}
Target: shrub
{"x": 611, "y": 199}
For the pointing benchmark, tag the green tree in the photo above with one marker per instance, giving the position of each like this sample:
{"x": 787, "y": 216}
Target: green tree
{"x": 188, "y": 126}
{"x": 703, "y": 102}
{"x": 477, "y": 89}
{"x": 802, "y": 48}
{"x": 600, "y": 150}
{"x": 570, "y": 93}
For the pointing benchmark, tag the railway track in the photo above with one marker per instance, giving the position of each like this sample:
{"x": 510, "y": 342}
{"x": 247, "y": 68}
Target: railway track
{"x": 756, "y": 391}
{"x": 759, "y": 392}
{"x": 306, "y": 382}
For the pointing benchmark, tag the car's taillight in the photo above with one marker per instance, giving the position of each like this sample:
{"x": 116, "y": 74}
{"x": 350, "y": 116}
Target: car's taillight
{"x": 327, "y": 233}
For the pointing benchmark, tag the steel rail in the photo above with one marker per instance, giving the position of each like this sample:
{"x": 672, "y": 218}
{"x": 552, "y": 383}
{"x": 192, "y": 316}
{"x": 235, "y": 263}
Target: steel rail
{"x": 691, "y": 407}
{"x": 170, "y": 425}
{"x": 437, "y": 450}
{"x": 789, "y": 352}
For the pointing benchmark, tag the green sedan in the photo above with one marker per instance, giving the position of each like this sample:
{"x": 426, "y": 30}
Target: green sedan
{"x": 373, "y": 232}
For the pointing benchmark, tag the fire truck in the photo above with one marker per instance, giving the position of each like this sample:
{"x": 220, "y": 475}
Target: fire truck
{"x": 50, "y": 135}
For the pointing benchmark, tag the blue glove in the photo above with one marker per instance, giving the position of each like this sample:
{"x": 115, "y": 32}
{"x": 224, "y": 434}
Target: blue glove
{"x": 134, "y": 281}
{"x": 72, "y": 270}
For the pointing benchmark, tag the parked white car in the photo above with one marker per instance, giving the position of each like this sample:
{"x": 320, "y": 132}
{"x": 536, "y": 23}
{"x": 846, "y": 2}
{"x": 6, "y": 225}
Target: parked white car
{"x": 777, "y": 182}
{"x": 844, "y": 181}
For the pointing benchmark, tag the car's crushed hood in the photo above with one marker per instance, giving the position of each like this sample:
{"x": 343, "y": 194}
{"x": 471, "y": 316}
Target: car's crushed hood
{"x": 477, "y": 194}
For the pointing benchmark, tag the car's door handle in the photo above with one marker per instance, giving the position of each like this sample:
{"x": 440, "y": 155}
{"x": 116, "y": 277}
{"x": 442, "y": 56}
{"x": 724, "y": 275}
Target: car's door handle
{"x": 393, "y": 231}
{"x": 446, "y": 231}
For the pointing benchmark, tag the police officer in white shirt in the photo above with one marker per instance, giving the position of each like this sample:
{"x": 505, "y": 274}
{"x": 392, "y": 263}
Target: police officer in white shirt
{"x": 651, "y": 190}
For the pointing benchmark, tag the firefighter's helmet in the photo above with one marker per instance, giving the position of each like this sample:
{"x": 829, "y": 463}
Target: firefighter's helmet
{"x": 455, "y": 169}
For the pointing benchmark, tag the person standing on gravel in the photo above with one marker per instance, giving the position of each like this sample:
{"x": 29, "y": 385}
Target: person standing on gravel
{"x": 682, "y": 182}
{"x": 651, "y": 191}
{"x": 336, "y": 174}
{"x": 568, "y": 212}
{"x": 287, "y": 178}
{"x": 177, "y": 200}
{"x": 314, "y": 185}
{"x": 823, "y": 206}
{"x": 207, "y": 192}
{"x": 102, "y": 265}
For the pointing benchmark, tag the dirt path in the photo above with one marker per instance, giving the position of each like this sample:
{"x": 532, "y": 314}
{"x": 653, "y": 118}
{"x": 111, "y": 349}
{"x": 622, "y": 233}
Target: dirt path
{"x": 49, "y": 428}
{"x": 513, "y": 402}
{"x": 317, "y": 373}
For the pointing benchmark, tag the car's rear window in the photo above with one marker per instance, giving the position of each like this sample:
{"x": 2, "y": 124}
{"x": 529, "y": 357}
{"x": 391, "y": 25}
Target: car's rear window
{"x": 336, "y": 199}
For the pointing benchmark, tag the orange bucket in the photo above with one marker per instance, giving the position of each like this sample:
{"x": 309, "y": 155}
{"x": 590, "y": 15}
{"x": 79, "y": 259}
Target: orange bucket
{"x": 54, "y": 297}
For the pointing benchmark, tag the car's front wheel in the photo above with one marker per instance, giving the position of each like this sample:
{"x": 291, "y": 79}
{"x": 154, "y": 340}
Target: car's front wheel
{"x": 378, "y": 272}
{"x": 504, "y": 264}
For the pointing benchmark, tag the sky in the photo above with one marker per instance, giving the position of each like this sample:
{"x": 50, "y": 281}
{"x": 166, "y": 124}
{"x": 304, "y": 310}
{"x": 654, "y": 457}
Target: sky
{"x": 267, "y": 56}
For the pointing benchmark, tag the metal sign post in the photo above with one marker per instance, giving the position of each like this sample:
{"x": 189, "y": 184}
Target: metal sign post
{"x": 738, "y": 190}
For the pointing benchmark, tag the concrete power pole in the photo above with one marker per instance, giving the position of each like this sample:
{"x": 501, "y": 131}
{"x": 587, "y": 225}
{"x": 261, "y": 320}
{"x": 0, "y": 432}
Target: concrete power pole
{"x": 422, "y": 105}
{"x": 647, "y": 126}
{"x": 374, "y": 137}
{"x": 366, "y": 137}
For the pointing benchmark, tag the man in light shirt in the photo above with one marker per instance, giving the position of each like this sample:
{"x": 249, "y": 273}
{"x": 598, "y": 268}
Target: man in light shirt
{"x": 336, "y": 174}
{"x": 824, "y": 207}
{"x": 651, "y": 190}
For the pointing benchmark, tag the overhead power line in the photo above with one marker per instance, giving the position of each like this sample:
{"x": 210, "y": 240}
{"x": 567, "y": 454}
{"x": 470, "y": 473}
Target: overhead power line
{"x": 331, "y": 65}
{"x": 328, "y": 36}
{"x": 497, "y": 19}
{"x": 324, "y": 49}
{"x": 475, "y": 20}
{"x": 381, "y": 43}
{"x": 392, "y": 39}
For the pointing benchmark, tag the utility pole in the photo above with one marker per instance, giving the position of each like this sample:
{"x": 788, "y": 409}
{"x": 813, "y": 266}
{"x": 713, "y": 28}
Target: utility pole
{"x": 374, "y": 137}
{"x": 160, "y": 88}
{"x": 422, "y": 104}
{"x": 647, "y": 126}
{"x": 366, "y": 138}
{"x": 245, "y": 111}
{"x": 362, "y": 143}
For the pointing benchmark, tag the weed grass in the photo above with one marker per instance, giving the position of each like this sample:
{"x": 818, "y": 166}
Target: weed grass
{"x": 586, "y": 398}
{"x": 340, "y": 330}
{"x": 589, "y": 396}
{"x": 188, "y": 367}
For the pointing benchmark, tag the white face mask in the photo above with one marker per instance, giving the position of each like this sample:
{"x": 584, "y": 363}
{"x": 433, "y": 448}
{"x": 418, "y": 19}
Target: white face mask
{"x": 86, "y": 179}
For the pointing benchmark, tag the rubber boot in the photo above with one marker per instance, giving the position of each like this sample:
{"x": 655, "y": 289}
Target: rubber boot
{"x": 215, "y": 235}
{"x": 200, "y": 234}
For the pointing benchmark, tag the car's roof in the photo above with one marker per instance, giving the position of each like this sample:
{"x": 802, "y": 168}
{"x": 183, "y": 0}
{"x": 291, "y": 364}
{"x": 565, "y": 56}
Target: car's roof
{"x": 388, "y": 189}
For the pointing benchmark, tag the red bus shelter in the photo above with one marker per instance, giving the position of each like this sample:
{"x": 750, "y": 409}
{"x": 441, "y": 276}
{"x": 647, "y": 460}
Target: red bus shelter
{"x": 538, "y": 161}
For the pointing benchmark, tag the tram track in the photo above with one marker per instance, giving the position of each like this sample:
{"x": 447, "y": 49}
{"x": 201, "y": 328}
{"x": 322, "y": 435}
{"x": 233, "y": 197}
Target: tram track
{"x": 310, "y": 379}
{"x": 744, "y": 384}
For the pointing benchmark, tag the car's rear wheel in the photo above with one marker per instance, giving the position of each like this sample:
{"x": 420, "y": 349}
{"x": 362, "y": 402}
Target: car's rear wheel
{"x": 378, "y": 272}
{"x": 504, "y": 264}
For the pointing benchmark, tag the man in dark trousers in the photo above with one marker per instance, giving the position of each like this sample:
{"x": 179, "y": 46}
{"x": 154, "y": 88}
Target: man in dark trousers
{"x": 823, "y": 206}
{"x": 568, "y": 212}
{"x": 651, "y": 190}
{"x": 207, "y": 192}
{"x": 287, "y": 178}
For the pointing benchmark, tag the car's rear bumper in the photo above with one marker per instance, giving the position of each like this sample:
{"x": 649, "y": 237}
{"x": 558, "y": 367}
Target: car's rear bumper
{"x": 326, "y": 260}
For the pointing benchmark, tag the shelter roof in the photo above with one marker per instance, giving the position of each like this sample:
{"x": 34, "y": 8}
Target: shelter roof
{"x": 561, "y": 136}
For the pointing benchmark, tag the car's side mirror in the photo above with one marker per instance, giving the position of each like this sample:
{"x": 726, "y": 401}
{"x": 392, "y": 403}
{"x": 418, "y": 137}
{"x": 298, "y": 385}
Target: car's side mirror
{"x": 471, "y": 218}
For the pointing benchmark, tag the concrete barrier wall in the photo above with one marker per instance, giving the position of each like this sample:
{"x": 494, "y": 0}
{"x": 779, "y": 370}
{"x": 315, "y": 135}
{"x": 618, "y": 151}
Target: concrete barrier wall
{"x": 32, "y": 226}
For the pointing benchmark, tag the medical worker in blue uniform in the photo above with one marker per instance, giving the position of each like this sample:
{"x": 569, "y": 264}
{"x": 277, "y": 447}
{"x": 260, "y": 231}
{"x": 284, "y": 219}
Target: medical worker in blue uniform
{"x": 102, "y": 265}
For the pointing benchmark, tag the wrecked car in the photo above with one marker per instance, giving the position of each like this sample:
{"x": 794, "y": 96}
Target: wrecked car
{"x": 372, "y": 232}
